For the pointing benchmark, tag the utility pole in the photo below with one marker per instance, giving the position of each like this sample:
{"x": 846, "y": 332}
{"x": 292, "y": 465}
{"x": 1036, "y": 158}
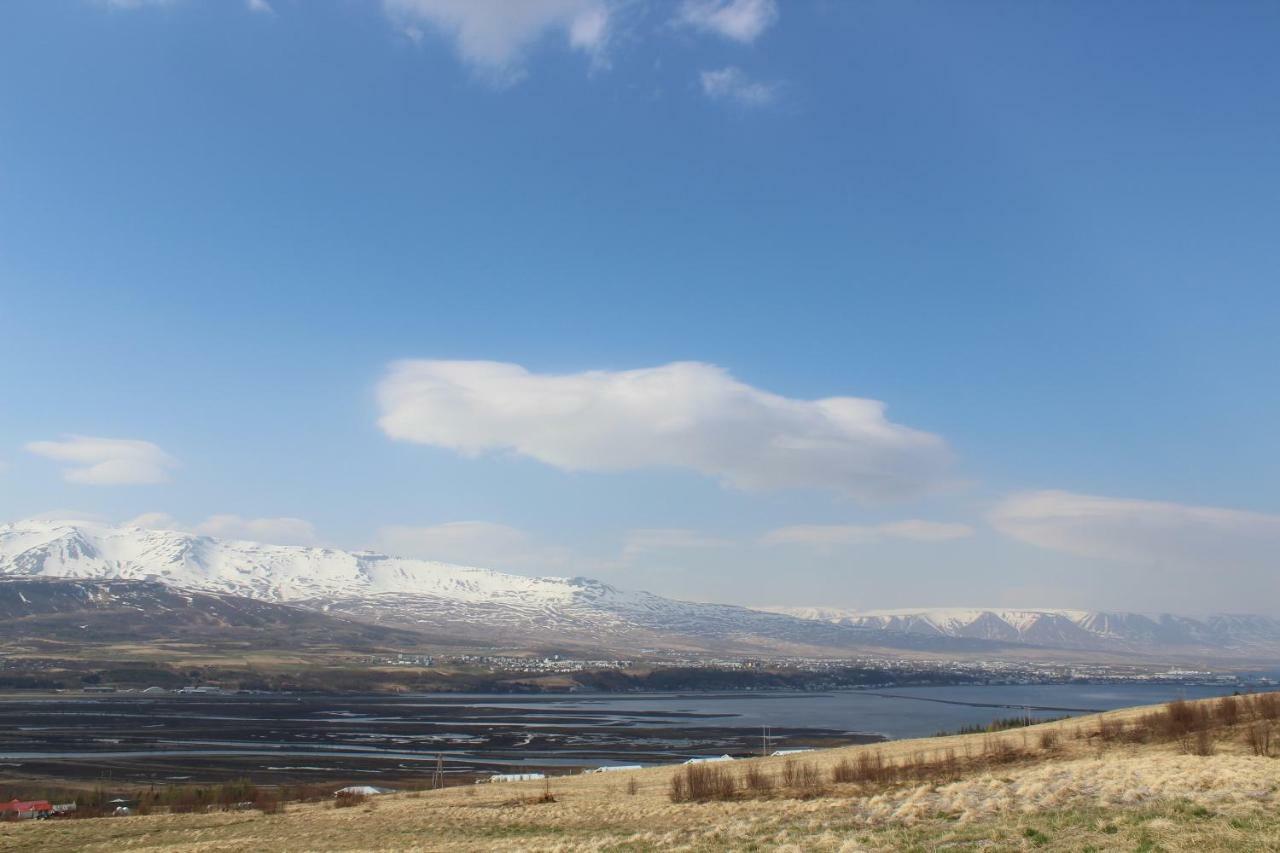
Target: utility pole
{"x": 437, "y": 778}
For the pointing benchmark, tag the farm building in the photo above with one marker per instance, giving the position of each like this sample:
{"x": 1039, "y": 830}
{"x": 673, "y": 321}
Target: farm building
{"x": 513, "y": 777}
{"x": 25, "y": 809}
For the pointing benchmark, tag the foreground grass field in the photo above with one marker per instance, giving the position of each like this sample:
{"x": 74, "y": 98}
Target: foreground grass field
{"x": 1194, "y": 776}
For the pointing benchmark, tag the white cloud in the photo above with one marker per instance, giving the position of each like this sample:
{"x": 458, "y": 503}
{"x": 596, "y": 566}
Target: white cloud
{"x": 493, "y": 34}
{"x": 278, "y": 531}
{"x": 275, "y": 531}
{"x": 925, "y": 531}
{"x": 133, "y": 4}
{"x": 107, "y": 461}
{"x": 68, "y": 515}
{"x": 648, "y": 540}
{"x": 157, "y": 521}
{"x": 1150, "y": 532}
{"x": 260, "y": 6}
{"x": 680, "y": 415}
{"x": 473, "y": 543}
{"x": 282, "y": 530}
{"x": 832, "y": 535}
{"x": 740, "y": 20}
{"x": 733, "y": 84}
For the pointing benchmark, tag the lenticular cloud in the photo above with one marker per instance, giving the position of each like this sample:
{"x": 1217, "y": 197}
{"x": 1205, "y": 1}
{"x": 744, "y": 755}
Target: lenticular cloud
{"x": 680, "y": 415}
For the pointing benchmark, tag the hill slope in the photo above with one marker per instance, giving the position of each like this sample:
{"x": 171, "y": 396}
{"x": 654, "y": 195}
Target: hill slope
{"x": 1107, "y": 782}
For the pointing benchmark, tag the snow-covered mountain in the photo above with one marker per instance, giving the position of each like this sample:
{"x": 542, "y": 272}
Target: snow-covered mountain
{"x": 1244, "y": 635}
{"x": 477, "y": 604}
{"x": 495, "y": 609}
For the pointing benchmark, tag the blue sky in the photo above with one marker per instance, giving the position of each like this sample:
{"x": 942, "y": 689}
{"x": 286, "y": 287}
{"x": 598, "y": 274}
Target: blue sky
{"x": 1042, "y": 235}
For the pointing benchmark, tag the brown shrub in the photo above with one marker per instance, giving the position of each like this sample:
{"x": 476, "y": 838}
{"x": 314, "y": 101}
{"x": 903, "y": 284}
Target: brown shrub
{"x": 1258, "y": 737}
{"x": 268, "y": 802}
{"x": 1180, "y": 720}
{"x": 757, "y": 781}
{"x": 1049, "y": 739}
{"x": 1111, "y": 730}
{"x": 867, "y": 767}
{"x": 1199, "y": 743}
{"x": 803, "y": 778}
{"x": 633, "y": 787}
{"x": 1227, "y": 711}
{"x": 1182, "y": 717}
{"x": 701, "y": 783}
{"x": 1266, "y": 706}
{"x": 999, "y": 750}
{"x": 348, "y": 799}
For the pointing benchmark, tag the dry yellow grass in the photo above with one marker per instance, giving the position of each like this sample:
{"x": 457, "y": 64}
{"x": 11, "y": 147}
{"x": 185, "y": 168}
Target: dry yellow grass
{"x": 1076, "y": 794}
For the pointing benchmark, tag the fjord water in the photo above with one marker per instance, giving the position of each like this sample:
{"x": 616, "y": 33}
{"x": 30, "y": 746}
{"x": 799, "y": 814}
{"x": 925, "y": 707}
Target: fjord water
{"x": 900, "y": 712}
{"x": 310, "y": 738}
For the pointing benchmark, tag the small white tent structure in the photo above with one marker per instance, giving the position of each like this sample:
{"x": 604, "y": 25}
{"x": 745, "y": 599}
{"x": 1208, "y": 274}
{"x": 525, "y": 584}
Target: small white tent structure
{"x": 362, "y": 791}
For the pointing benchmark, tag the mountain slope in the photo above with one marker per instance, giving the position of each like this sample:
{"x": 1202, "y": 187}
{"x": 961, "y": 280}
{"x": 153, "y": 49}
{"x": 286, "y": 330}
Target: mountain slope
{"x": 482, "y": 605}
{"x": 84, "y": 612}
{"x": 1238, "y": 635}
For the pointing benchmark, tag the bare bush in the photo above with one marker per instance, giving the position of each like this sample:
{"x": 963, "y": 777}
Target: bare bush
{"x": 757, "y": 781}
{"x": 1049, "y": 739}
{"x": 1258, "y": 737}
{"x": 803, "y": 778}
{"x": 268, "y": 802}
{"x": 1199, "y": 743}
{"x": 1266, "y": 706}
{"x": 1111, "y": 730}
{"x": 999, "y": 750}
{"x": 701, "y": 783}
{"x": 1227, "y": 711}
{"x": 348, "y": 800}
{"x": 867, "y": 767}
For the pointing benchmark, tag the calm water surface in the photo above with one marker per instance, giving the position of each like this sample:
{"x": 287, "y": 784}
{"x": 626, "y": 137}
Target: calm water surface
{"x": 901, "y": 712}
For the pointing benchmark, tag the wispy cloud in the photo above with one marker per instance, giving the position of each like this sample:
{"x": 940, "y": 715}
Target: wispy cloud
{"x": 493, "y": 35}
{"x": 261, "y": 7}
{"x": 733, "y": 84}
{"x": 650, "y": 540}
{"x": 107, "y": 461}
{"x": 276, "y": 531}
{"x": 1149, "y": 532}
{"x": 682, "y": 415}
{"x": 739, "y": 20}
{"x": 133, "y": 4}
{"x": 474, "y": 543}
{"x": 832, "y": 535}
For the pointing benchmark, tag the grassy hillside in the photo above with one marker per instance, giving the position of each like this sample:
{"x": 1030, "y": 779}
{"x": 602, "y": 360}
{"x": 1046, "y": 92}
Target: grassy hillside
{"x": 1190, "y": 776}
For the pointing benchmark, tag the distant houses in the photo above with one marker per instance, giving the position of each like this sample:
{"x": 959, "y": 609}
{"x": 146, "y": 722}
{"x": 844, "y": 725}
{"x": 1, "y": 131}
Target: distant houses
{"x": 512, "y": 777}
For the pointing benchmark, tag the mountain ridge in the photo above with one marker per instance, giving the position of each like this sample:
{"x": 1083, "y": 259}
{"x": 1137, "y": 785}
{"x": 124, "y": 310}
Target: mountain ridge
{"x": 487, "y": 606}
{"x": 1067, "y": 628}
{"x": 505, "y": 610}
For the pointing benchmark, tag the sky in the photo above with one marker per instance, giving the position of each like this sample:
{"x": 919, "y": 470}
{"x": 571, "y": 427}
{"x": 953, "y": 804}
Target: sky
{"x": 854, "y": 304}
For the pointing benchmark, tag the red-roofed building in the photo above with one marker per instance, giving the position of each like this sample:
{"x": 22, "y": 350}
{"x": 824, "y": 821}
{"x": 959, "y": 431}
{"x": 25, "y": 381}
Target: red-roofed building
{"x": 25, "y": 809}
